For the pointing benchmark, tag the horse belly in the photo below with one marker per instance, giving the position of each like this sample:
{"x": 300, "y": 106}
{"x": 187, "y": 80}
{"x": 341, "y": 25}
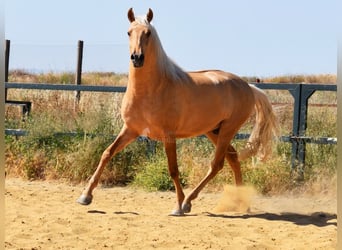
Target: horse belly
{"x": 206, "y": 110}
{"x": 200, "y": 121}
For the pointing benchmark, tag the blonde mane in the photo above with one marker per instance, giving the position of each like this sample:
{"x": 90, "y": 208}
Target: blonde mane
{"x": 167, "y": 66}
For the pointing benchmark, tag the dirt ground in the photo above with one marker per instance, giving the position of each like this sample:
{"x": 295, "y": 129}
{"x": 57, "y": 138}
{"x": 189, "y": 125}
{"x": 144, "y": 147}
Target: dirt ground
{"x": 45, "y": 215}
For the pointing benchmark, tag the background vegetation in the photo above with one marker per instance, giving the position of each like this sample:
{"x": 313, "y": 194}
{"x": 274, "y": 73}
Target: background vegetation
{"x": 43, "y": 154}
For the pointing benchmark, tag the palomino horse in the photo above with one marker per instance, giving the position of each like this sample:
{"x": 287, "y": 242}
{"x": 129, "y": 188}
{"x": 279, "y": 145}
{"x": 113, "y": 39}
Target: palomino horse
{"x": 164, "y": 103}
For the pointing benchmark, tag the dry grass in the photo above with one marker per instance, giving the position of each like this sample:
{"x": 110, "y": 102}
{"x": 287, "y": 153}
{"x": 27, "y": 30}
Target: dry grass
{"x": 323, "y": 78}
{"x": 88, "y": 78}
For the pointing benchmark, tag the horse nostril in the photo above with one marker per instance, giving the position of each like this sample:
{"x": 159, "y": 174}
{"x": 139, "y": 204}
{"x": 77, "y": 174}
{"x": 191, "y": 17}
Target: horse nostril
{"x": 135, "y": 56}
{"x": 137, "y": 59}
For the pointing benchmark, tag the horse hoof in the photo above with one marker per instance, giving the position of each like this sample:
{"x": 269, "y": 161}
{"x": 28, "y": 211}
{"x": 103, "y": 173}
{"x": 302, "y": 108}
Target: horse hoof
{"x": 186, "y": 207}
{"x": 177, "y": 212}
{"x": 85, "y": 199}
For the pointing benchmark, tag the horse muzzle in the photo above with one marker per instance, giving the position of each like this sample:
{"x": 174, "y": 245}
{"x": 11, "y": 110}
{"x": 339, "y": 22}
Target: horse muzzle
{"x": 137, "y": 60}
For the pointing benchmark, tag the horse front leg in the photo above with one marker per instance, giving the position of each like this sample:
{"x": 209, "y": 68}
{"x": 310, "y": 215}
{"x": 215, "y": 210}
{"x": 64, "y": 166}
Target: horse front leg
{"x": 122, "y": 140}
{"x": 170, "y": 149}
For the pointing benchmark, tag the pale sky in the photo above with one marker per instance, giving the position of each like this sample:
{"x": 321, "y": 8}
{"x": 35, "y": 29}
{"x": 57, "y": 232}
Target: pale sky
{"x": 248, "y": 38}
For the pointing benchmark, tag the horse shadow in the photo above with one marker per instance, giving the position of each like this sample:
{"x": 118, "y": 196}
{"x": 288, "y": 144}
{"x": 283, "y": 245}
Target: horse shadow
{"x": 116, "y": 212}
{"x": 319, "y": 219}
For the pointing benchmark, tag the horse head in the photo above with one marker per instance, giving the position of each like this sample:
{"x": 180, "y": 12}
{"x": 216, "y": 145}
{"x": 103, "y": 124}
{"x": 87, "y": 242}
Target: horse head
{"x": 139, "y": 34}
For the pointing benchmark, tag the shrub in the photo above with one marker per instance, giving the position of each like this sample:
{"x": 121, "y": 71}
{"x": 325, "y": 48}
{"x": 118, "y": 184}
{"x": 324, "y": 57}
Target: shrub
{"x": 154, "y": 175}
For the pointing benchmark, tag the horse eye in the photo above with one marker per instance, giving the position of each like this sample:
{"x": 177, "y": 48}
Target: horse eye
{"x": 129, "y": 33}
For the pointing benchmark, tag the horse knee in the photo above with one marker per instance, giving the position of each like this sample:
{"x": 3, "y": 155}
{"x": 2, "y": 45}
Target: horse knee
{"x": 106, "y": 154}
{"x": 174, "y": 172}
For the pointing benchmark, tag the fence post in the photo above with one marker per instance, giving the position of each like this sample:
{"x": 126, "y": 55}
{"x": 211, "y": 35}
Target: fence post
{"x": 78, "y": 78}
{"x": 306, "y": 93}
{"x": 296, "y": 93}
{"x": 301, "y": 95}
{"x": 7, "y": 55}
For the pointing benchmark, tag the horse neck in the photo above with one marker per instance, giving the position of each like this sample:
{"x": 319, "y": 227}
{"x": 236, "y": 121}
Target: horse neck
{"x": 157, "y": 73}
{"x": 147, "y": 80}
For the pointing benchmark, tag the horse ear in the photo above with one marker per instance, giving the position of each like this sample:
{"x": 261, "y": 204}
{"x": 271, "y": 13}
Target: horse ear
{"x": 130, "y": 15}
{"x": 149, "y": 15}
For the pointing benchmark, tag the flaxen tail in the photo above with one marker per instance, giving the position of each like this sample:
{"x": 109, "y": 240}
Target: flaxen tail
{"x": 265, "y": 128}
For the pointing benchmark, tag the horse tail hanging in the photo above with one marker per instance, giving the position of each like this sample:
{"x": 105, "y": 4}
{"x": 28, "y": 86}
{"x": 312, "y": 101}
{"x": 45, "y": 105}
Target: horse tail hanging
{"x": 266, "y": 126}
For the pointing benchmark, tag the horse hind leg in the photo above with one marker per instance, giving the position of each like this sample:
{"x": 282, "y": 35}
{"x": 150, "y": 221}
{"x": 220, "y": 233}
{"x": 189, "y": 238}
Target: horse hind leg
{"x": 222, "y": 141}
{"x": 233, "y": 160}
{"x": 231, "y": 157}
{"x": 216, "y": 166}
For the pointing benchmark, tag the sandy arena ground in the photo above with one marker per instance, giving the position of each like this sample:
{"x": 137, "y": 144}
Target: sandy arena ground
{"x": 44, "y": 215}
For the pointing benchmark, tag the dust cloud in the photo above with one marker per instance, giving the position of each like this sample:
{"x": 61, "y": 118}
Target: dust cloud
{"x": 235, "y": 199}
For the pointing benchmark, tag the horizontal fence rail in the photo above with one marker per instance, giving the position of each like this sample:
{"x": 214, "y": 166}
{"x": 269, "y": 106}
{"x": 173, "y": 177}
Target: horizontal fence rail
{"x": 121, "y": 89}
{"x": 64, "y": 87}
{"x": 239, "y": 136}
